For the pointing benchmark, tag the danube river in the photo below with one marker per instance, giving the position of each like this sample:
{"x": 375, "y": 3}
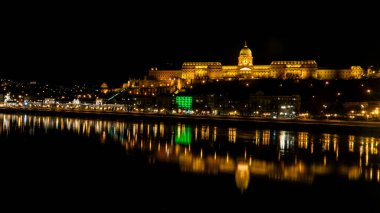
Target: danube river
{"x": 87, "y": 163}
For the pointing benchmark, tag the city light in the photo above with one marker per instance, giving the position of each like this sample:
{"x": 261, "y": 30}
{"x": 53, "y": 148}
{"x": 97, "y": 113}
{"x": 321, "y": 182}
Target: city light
{"x": 184, "y": 102}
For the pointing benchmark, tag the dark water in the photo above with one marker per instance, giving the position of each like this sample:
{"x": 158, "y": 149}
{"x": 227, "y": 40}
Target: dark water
{"x": 59, "y": 163}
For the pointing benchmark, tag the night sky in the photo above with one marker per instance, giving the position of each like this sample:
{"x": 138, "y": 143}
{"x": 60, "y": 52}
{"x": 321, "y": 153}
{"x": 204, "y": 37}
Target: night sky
{"x": 72, "y": 42}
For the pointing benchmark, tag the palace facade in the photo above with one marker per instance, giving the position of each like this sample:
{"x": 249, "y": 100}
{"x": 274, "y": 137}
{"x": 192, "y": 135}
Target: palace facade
{"x": 246, "y": 69}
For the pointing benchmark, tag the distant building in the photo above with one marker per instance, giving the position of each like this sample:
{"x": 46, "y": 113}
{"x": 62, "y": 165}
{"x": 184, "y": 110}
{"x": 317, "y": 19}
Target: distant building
{"x": 362, "y": 109}
{"x": 257, "y": 105}
{"x": 49, "y": 101}
{"x": 355, "y": 72}
{"x": 99, "y": 101}
{"x": 145, "y": 87}
{"x": 275, "y": 106}
{"x": 76, "y": 101}
{"x": 246, "y": 69}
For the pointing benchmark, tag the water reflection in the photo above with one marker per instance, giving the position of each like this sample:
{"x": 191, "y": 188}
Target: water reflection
{"x": 242, "y": 176}
{"x": 207, "y": 149}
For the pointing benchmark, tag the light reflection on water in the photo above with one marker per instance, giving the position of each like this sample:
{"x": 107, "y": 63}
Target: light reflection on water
{"x": 276, "y": 155}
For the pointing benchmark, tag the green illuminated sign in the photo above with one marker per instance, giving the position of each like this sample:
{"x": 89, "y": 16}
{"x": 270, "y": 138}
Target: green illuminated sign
{"x": 184, "y": 102}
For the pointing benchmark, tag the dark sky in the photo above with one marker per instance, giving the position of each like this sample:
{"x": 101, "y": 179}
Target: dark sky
{"x": 71, "y": 42}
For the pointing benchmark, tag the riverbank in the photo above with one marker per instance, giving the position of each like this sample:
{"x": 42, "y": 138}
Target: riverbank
{"x": 307, "y": 124}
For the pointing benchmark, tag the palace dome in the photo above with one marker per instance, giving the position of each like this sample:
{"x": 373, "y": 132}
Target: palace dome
{"x": 246, "y": 51}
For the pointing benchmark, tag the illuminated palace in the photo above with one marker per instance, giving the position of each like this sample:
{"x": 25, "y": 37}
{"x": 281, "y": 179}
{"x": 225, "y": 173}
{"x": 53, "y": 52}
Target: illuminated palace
{"x": 246, "y": 69}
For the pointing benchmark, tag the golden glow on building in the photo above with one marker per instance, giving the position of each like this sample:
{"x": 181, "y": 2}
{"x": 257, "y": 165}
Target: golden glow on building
{"x": 246, "y": 69}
